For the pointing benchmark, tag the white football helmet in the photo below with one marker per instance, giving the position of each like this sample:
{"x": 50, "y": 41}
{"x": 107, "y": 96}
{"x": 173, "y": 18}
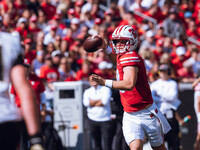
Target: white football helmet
{"x": 126, "y": 33}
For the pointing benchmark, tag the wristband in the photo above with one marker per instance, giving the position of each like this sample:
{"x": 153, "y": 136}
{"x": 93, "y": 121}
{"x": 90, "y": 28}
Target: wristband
{"x": 108, "y": 50}
{"x": 36, "y": 139}
{"x": 109, "y": 83}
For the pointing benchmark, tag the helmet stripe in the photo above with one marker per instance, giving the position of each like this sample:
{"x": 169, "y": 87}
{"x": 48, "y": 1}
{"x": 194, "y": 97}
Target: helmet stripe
{"x": 115, "y": 32}
{"x": 118, "y": 30}
{"x": 121, "y": 29}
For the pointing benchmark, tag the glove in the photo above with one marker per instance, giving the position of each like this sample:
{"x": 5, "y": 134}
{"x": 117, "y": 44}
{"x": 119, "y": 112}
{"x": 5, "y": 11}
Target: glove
{"x": 36, "y": 142}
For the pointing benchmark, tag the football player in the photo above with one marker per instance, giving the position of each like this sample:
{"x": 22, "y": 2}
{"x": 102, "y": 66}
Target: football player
{"x": 12, "y": 69}
{"x": 141, "y": 116}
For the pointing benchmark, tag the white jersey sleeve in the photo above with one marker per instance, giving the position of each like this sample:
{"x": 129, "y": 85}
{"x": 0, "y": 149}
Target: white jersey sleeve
{"x": 10, "y": 50}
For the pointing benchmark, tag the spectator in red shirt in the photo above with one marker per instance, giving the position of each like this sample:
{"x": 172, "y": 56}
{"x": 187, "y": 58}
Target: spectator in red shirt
{"x": 155, "y": 12}
{"x": 177, "y": 62}
{"x": 175, "y": 44}
{"x": 71, "y": 13}
{"x": 6, "y": 6}
{"x": 33, "y": 27}
{"x": 48, "y": 9}
{"x": 158, "y": 51}
{"x": 192, "y": 30}
{"x": 84, "y": 72}
{"x": 77, "y": 8}
{"x": 83, "y": 33}
{"x": 69, "y": 37}
{"x": 130, "y": 20}
{"x": 159, "y": 33}
{"x": 29, "y": 52}
{"x": 185, "y": 74}
{"x": 48, "y": 72}
{"x": 21, "y": 27}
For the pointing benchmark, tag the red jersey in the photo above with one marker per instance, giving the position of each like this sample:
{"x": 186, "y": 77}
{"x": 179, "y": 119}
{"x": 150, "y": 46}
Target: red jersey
{"x": 31, "y": 55}
{"x": 37, "y": 85}
{"x": 49, "y": 74}
{"x": 140, "y": 96}
{"x": 49, "y": 10}
{"x": 22, "y": 32}
{"x": 177, "y": 63}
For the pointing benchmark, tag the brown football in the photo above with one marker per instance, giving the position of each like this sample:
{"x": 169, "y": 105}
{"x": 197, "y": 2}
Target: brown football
{"x": 92, "y": 43}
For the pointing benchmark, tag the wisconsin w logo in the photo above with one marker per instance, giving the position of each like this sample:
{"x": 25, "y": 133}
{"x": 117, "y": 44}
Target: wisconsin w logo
{"x": 133, "y": 32}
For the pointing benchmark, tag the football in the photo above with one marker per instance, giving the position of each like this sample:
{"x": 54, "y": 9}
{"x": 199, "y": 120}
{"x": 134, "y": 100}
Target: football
{"x": 92, "y": 43}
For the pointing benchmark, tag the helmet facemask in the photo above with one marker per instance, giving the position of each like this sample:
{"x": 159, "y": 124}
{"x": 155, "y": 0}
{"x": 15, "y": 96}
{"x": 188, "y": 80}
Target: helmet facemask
{"x": 120, "y": 46}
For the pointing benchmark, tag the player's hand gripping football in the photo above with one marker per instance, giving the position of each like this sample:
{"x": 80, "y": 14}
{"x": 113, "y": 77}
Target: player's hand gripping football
{"x": 94, "y": 43}
{"x": 98, "y": 80}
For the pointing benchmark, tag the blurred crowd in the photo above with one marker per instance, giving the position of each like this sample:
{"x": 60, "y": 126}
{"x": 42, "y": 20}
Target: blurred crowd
{"x": 52, "y": 33}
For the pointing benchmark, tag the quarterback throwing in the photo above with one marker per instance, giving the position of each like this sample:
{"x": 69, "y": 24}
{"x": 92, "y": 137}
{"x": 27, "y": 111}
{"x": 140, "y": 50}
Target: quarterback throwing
{"x": 141, "y": 116}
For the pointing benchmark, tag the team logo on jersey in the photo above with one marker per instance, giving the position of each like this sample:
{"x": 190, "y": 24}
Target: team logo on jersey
{"x": 133, "y": 32}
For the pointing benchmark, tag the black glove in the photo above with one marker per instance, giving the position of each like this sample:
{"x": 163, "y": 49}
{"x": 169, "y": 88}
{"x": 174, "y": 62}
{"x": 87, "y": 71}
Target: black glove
{"x": 36, "y": 142}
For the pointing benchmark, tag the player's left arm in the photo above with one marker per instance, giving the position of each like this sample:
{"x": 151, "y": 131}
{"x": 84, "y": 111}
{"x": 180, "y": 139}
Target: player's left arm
{"x": 128, "y": 82}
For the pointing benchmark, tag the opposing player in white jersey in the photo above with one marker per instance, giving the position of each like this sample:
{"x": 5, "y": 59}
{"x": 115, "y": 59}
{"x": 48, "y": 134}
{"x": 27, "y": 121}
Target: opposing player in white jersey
{"x": 141, "y": 116}
{"x": 12, "y": 70}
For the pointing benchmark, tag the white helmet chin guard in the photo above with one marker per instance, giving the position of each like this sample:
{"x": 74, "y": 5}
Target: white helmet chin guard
{"x": 127, "y": 33}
